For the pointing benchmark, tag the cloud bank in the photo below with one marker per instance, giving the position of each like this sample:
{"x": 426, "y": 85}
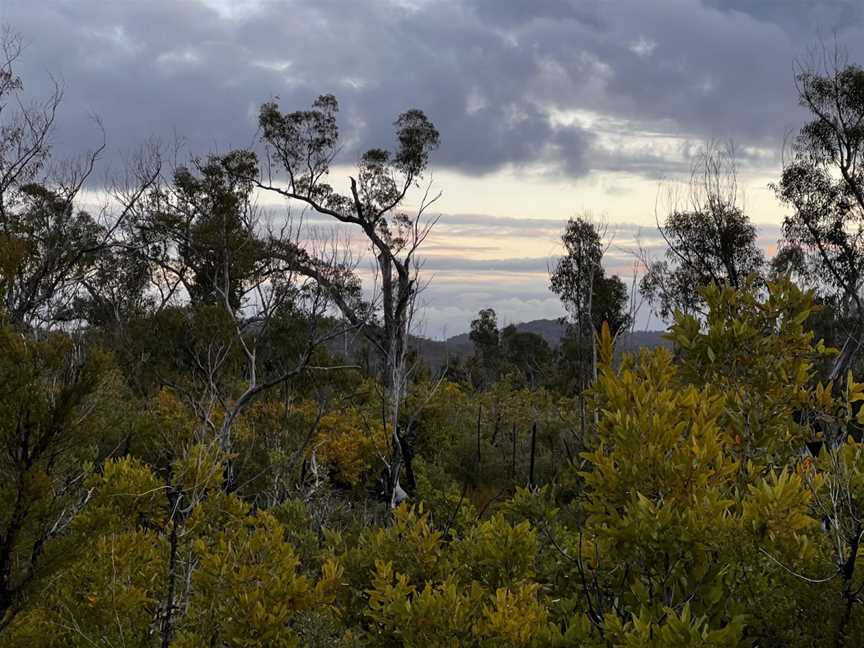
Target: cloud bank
{"x": 549, "y": 83}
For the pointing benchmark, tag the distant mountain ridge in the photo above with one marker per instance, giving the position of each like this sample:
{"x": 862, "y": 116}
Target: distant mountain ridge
{"x": 435, "y": 352}
{"x": 550, "y": 330}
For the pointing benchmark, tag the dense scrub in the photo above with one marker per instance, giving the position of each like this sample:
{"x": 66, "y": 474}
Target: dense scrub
{"x": 694, "y": 510}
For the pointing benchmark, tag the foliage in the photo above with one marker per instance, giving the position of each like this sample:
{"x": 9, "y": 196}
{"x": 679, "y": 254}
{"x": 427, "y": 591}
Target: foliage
{"x": 694, "y": 509}
{"x": 589, "y": 297}
{"x": 822, "y": 183}
{"x": 55, "y": 422}
{"x": 486, "y": 339}
{"x": 711, "y": 241}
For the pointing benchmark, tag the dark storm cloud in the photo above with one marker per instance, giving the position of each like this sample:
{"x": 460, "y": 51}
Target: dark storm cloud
{"x": 488, "y": 72}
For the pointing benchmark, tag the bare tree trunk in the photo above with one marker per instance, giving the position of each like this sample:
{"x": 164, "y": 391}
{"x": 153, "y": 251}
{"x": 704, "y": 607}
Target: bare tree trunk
{"x": 7, "y": 544}
{"x": 847, "y": 572}
{"x": 591, "y": 325}
{"x": 168, "y": 618}
{"x": 479, "y": 458}
{"x": 513, "y": 455}
{"x": 847, "y": 355}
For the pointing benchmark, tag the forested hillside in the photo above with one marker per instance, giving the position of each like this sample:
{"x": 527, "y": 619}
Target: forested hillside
{"x": 437, "y": 353}
{"x": 214, "y": 434}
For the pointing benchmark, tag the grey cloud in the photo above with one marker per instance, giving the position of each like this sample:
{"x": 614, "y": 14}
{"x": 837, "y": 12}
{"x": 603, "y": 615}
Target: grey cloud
{"x": 513, "y": 14}
{"x": 457, "y": 264}
{"x": 507, "y": 226}
{"x": 455, "y": 220}
{"x": 486, "y": 72}
{"x": 498, "y": 227}
{"x": 830, "y": 16}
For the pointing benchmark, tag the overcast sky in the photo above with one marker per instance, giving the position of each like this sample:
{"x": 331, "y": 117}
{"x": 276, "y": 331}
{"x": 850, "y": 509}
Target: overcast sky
{"x": 546, "y": 108}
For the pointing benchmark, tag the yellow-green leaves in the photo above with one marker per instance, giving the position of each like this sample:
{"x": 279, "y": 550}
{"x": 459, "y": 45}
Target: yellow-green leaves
{"x": 606, "y": 345}
{"x": 778, "y": 505}
{"x": 245, "y": 590}
{"x": 453, "y": 615}
{"x": 495, "y": 554}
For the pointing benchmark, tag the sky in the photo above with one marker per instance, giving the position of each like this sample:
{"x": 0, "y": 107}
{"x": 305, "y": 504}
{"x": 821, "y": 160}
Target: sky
{"x": 546, "y": 108}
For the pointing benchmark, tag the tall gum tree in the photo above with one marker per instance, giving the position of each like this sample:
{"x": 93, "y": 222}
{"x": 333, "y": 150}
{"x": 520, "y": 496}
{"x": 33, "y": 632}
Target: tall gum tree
{"x": 301, "y": 146}
{"x": 823, "y": 183}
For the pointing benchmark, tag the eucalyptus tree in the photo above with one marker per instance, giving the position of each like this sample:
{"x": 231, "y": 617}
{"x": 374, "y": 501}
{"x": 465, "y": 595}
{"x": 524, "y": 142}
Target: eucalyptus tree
{"x": 588, "y": 296}
{"x": 709, "y": 238}
{"x": 301, "y": 147}
{"x": 823, "y": 183}
{"x": 486, "y": 338}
